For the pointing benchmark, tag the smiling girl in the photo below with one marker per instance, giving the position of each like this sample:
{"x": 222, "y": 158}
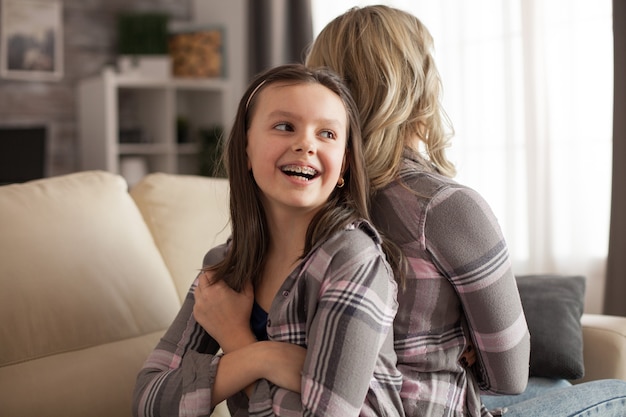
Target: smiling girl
{"x": 302, "y": 288}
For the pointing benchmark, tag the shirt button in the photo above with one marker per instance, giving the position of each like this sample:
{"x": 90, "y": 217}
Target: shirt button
{"x": 285, "y": 293}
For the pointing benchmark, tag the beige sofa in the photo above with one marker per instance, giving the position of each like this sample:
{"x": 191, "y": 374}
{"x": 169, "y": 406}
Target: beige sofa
{"x": 91, "y": 275}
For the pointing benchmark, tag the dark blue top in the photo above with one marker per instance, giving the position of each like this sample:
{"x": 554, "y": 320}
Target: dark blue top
{"x": 258, "y": 322}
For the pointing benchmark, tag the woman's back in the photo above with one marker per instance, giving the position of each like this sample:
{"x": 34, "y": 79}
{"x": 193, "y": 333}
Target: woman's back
{"x": 458, "y": 265}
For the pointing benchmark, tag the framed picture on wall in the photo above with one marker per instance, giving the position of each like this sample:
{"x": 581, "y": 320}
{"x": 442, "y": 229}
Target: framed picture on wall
{"x": 32, "y": 39}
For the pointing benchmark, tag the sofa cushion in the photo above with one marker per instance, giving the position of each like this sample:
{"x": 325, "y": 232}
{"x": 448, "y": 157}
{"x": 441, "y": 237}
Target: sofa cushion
{"x": 97, "y": 381}
{"x": 79, "y": 268}
{"x": 167, "y": 202}
{"x": 553, "y": 306}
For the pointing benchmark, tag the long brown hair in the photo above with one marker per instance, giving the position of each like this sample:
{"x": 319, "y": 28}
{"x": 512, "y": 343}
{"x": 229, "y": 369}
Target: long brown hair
{"x": 250, "y": 234}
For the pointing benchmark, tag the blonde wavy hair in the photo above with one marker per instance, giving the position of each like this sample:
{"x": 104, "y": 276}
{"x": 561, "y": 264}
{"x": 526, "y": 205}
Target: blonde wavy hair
{"x": 385, "y": 55}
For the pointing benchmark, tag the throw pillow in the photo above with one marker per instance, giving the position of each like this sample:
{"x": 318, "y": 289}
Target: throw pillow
{"x": 553, "y": 306}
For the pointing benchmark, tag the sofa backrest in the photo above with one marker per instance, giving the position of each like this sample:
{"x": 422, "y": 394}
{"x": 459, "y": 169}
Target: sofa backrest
{"x": 81, "y": 283}
{"x": 187, "y": 215}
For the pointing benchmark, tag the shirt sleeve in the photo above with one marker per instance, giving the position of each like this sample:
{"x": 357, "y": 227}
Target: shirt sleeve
{"x": 351, "y": 309}
{"x": 178, "y": 376}
{"x": 467, "y": 245}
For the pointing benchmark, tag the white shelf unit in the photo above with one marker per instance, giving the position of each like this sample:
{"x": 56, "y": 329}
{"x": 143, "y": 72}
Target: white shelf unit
{"x": 148, "y": 108}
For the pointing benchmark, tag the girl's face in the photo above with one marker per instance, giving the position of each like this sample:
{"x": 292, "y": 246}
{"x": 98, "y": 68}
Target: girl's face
{"x": 297, "y": 145}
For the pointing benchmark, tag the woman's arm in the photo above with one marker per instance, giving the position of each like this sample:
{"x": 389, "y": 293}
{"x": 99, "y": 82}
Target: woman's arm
{"x": 468, "y": 247}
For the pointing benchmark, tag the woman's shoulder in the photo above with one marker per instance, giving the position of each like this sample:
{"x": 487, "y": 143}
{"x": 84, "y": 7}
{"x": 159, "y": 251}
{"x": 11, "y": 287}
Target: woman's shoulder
{"x": 416, "y": 186}
{"x": 418, "y": 194}
{"x": 422, "y": 178}
{"x": 417, "y": 180}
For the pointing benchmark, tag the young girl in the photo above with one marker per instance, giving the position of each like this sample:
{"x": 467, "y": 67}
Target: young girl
{"x": 301, "y": 298}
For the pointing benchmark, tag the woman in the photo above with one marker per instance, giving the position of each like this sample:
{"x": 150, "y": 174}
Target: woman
{"x": 460, "y": 294}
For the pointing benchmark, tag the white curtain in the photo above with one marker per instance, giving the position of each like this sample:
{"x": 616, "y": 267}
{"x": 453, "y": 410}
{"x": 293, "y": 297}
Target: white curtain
{"x": 528, "y": 85}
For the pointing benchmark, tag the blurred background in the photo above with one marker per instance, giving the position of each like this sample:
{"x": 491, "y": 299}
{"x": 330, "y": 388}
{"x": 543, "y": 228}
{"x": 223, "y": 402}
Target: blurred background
{"x": 530, "y": 87}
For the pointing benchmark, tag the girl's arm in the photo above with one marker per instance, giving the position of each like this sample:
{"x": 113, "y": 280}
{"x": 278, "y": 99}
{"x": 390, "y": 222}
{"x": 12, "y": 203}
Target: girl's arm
{"x": 225, "y": 315}
{"x": 180, "y": 371}
{"x": 468, "y": 247}
{"x": 223, "y": 312}
{"x": 185, "y": 374}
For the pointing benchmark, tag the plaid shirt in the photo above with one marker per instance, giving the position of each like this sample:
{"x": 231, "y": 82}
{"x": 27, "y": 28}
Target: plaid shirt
{"x": 339, "y": 303}
{"x": 460, "y": 289}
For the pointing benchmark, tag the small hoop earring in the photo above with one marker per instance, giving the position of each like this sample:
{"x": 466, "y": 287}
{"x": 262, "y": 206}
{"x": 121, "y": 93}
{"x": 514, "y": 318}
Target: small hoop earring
{"x": 341, "y": 182}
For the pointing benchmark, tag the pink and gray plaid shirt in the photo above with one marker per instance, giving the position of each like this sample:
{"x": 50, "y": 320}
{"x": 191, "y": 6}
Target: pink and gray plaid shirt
{"x": 460, "y": 289}
{"x": 339, "y": 303}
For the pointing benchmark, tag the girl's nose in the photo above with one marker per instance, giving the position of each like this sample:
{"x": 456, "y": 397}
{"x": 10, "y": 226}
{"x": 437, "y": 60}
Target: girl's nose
{"x": 304, "y": 143}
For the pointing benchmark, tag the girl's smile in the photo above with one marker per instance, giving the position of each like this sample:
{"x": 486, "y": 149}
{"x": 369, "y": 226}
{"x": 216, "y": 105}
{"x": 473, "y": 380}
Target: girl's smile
{"x": 304, "y": 172}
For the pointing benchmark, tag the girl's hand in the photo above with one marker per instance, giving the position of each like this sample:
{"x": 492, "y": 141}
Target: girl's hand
{"x": 223, "y": 312}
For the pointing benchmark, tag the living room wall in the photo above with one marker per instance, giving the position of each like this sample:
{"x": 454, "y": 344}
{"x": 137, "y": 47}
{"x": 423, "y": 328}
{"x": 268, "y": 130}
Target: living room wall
{"x": 89, "y": 44}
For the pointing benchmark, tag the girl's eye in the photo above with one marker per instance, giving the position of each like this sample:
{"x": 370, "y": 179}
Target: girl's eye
{"x": 328, "y": 134}
{"x": 284, "y": 127}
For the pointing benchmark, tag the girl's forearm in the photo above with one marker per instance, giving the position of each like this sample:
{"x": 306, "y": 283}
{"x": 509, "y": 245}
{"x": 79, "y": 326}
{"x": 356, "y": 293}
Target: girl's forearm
{"x": 282, "y": 364}
{"x": 278, "y": 362}
{"x": 237, "y": 371}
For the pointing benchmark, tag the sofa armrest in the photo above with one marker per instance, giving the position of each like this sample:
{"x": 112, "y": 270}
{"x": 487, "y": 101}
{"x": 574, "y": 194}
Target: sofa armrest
{"x": 604, "y": 347}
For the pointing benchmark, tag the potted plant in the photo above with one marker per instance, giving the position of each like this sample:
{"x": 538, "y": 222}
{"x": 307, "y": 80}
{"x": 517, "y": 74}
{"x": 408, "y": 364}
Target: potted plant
{"x": 142, "y": 44}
